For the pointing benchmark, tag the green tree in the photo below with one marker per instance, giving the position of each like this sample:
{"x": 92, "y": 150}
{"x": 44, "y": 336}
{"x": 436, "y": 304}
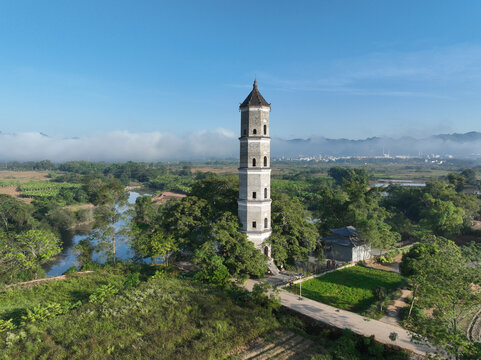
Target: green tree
{"x": 211, "y": 265}
{"x": 357, "y": 205}
{"x": 457, "y": 180}
{"x": 15, "y": 215}
{"x": 444, "y": 284}
{"x": 220, "y": 193}
{"x": 239, "y": 254}
{"x": 293, "y": 236}
{"x": 109, "y": 212}
{"x": 26, "y": 252}
{"x": 187, "y": 221}
{"x": 341, "y": 175}
{"x": 162, "y": 246}
{"x": 442, "y": 217}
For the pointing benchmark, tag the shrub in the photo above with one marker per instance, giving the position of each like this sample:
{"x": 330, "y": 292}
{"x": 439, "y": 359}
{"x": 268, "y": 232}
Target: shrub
{"x": 42, "y": 312}
{"x": 102, "y": 293}
{"x": 6, "y": 325}
{"x": 133, "y": 280}
{"x": 393, "y": 336}
{"x": 71, "y": 270}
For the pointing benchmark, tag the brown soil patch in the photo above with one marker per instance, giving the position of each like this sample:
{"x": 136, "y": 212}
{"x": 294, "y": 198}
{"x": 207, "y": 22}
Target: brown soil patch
{"x": 133, "y": 187}
{"x": 215, "y": 171}
{"x": 464, "y": 239}
{"x": 12, "y": 191}
{"x": 476, "y": 225}
{"x": 393, "y": 267}
{"x": 166, "y": 196}
{"x": 23, "y": 176}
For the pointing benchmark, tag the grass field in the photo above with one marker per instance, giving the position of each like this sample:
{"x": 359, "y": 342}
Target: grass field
{"x": 162, "y": 318}
{"x": 349, "y": 289}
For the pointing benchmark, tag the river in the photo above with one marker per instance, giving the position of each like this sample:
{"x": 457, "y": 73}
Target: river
{"x": 67, "y": 258}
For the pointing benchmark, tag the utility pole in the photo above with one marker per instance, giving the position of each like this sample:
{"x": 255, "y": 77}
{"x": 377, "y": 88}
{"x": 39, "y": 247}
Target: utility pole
{"x": 300, "y": 289}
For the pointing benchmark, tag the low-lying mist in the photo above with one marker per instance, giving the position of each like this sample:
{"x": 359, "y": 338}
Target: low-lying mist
{"x": 218, "y": 144}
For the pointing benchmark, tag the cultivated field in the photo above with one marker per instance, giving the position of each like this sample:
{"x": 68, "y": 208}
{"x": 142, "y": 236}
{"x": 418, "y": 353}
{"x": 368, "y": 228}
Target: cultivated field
{"x": 9, "y": 181}
{"x": 349, "y": 289}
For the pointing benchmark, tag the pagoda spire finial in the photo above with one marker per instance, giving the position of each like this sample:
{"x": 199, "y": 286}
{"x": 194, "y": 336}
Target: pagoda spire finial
{"x": 255, "y": 83}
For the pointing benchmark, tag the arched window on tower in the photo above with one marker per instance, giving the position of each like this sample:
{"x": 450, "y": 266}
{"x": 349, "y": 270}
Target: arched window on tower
{"x": 265, "y": 129}
{"x": 254, "y": 225}
{"x": 254, "y": 131}
{"x": 265, "y": 193}
{"x": 254, "y": 195}
{"x": 254, "y": 162}
{"x": 265, "y": 161}
{"x": 265, "y": 223}
{"x": 245, "y": 132}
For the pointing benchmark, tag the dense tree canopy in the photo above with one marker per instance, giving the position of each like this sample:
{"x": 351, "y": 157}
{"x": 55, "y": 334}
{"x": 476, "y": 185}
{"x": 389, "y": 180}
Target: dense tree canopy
{"x": 293, "y": 235}
{"x": 355, "y": 204}
{"x": 442, "y": 283}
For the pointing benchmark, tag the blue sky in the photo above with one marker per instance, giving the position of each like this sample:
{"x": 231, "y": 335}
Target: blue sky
{"x": 330, "y": 68}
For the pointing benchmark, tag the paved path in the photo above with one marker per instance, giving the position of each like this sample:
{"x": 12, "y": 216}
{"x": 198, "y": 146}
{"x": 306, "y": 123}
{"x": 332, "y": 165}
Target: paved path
{"x": 342, "y": 319}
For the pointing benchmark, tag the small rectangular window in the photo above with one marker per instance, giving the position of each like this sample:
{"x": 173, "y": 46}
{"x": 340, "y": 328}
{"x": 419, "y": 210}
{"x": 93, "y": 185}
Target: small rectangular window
{"x": 254, "y": 225}
{"x": 254, "y": 195}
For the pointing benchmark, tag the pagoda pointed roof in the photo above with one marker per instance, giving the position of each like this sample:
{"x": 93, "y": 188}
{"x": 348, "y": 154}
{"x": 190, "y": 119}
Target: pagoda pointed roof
{"x": 254, "y": 98}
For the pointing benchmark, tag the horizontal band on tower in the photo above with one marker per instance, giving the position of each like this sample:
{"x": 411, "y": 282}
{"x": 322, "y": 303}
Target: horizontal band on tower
{"x": 255, "y": 138}
{"x": 259, "y": 203}
{"x": 255, "y": 108}
{"x": 246, "y": 170}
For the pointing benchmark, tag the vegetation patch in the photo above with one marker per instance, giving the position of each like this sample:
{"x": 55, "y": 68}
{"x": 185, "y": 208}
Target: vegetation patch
{"x": 164, "y": 318}
{"x": 352, "y": 289}
{"x": 16, "y": 301}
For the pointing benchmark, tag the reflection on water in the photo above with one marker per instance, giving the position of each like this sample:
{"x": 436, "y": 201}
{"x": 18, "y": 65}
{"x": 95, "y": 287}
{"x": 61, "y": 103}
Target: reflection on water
{"x": 68, "y": 258}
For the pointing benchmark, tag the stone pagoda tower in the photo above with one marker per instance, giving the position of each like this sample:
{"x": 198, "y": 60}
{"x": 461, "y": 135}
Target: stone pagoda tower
{"x": 255, "y": 170}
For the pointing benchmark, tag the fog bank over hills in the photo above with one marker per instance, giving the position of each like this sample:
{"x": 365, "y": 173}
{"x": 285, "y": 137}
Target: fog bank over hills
{"x": 457, "y": 145}
{"x": 220, "y": 144}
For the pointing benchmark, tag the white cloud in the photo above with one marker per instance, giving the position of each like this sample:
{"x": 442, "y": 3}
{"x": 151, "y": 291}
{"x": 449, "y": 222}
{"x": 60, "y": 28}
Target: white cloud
{"x": 120, "y": 146}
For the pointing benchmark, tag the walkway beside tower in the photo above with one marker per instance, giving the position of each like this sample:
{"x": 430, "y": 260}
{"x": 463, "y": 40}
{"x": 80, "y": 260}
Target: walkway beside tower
{"x": 342, "y": 319}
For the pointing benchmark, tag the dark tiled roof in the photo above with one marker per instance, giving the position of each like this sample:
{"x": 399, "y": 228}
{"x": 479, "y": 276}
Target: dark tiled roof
{"x": 254, "y": 98}
{"x": 342, "y": 241}
{"x": 345, "y": 231}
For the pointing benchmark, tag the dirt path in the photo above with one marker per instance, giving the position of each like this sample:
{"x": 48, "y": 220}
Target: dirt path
{"x": 40, "y": 281}
{"x": 474, "y": 329}
{"x": 393, "y": 311}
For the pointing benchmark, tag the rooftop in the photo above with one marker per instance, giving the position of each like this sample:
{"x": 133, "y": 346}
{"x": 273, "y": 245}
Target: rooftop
{"x": 254, "y": 98}
{"x": 342, "y": 241}
{"x": 345, "y": 231}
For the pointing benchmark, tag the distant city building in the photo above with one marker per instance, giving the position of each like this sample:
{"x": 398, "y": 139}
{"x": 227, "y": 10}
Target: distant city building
{"x": 254, "y": 203}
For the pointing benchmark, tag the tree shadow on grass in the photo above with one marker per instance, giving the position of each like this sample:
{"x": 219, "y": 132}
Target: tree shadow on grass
{"x": 81, "y": 295}
{"x": 15, "y": 314}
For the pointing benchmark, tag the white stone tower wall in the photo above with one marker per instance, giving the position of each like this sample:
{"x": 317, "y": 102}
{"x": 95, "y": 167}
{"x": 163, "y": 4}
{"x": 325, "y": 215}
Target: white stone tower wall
{"x": 255, "y": 180}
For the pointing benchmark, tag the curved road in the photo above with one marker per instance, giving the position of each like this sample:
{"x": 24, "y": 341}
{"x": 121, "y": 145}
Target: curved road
{"x": 342, "y": 319}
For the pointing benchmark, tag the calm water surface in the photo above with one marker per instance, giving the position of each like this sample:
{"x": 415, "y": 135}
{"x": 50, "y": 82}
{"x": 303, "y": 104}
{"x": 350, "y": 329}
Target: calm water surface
{"x": 68, "y": 258}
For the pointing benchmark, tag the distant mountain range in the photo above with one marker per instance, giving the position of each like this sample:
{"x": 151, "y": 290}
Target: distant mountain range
{"x": 457, "y": 145}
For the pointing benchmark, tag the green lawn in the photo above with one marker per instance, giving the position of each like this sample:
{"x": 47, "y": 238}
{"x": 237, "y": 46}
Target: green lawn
{"x": 349, "y": 289}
